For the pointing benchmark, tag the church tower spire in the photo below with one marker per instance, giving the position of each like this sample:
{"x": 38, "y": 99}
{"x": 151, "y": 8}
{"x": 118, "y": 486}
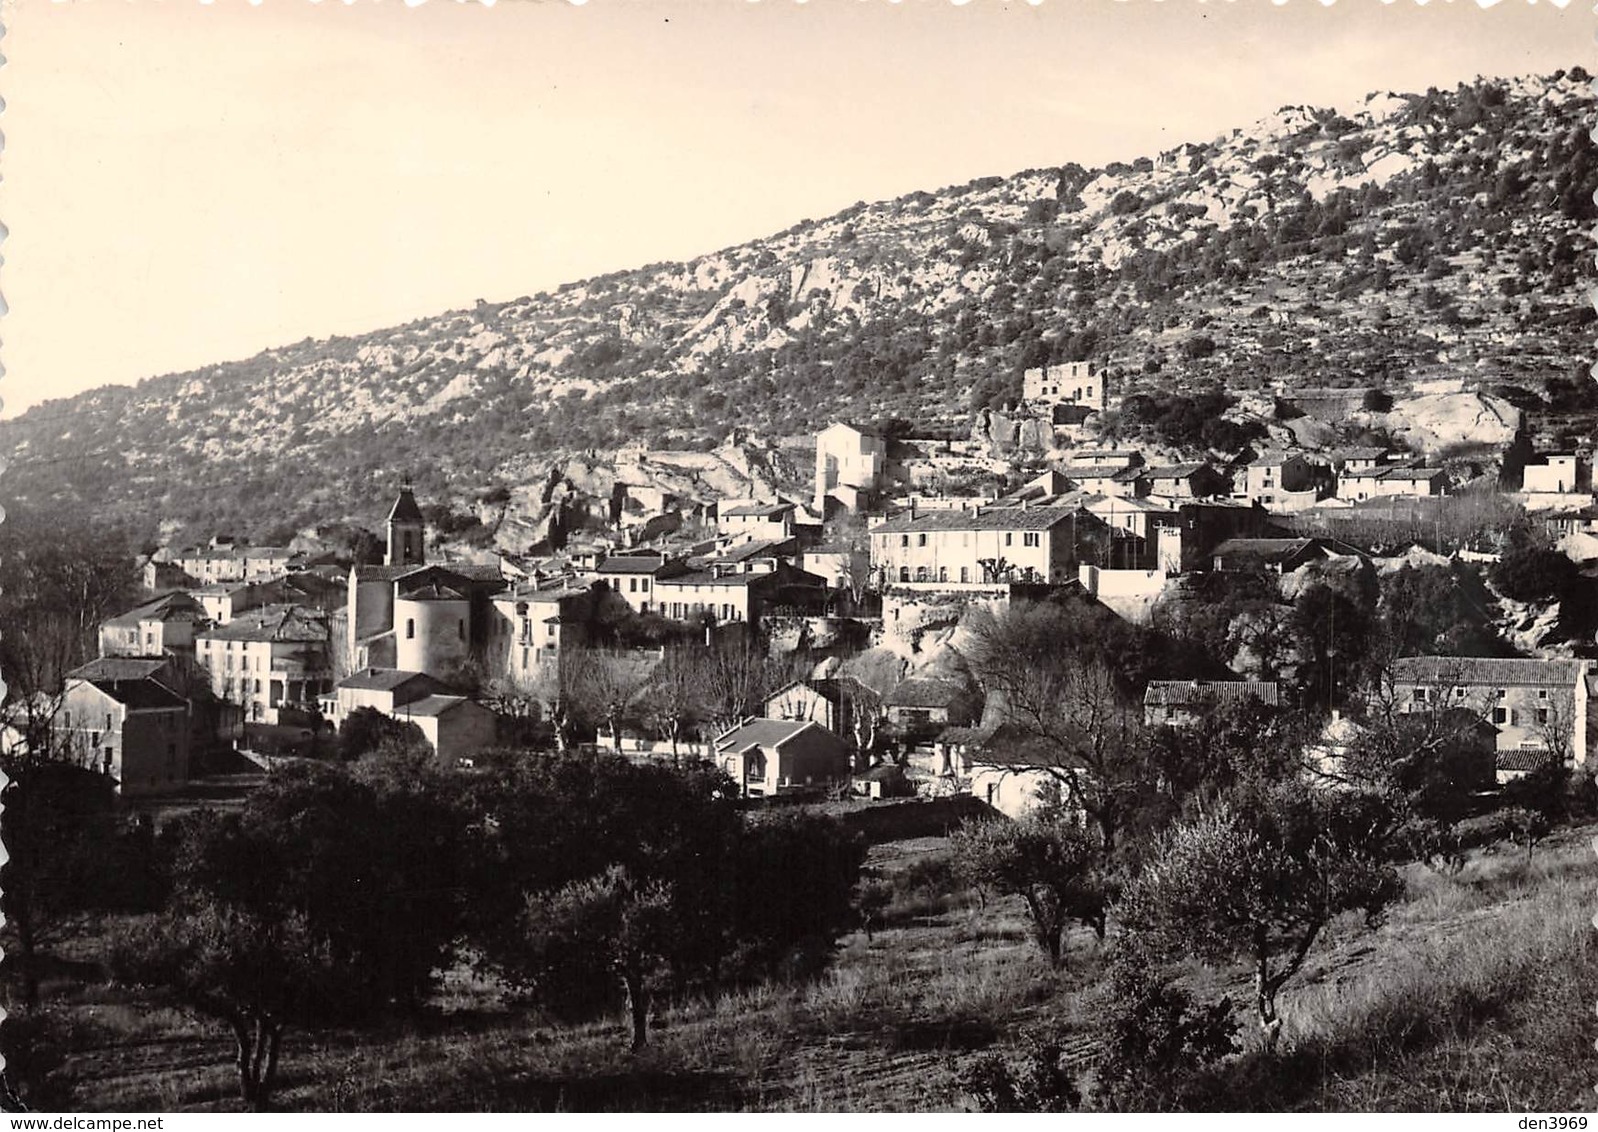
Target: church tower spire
{"x": 405, "y": 530}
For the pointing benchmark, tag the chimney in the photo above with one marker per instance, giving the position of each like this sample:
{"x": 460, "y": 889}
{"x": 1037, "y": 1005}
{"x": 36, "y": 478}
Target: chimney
{"x": 912, "y": 507}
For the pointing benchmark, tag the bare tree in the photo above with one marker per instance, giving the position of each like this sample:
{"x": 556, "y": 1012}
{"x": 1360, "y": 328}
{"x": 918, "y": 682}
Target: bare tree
{"x": 739, "y": 676}
{"x": 674, "y": 699}
{"x": 1066, "y": 708}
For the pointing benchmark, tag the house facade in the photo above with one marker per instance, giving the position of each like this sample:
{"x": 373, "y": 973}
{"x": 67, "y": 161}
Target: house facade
{"x": 1555, "y": 472}
{"x": 1269, "y": 480}
{"x": 632, "y": 578}
{"x": 986, "y": 545}
{"x": 1064, "y": 383}
{"x": 767, "y": 757}
{"x": 1536, "y": 705}
{"x": 1187, "y": 481}
{"x": 268, "y": 658}
{"x": 851, "y": 466}
{"x": 133, "y": 731}
{"x": 756, "y": 520}
{"x": 532, "y": 626}
{"x": 162, "y": 625}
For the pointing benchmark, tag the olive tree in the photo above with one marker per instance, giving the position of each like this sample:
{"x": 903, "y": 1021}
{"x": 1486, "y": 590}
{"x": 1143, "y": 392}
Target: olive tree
{"x": 1051, "y": 862}
{"x": 1258, "y": 878}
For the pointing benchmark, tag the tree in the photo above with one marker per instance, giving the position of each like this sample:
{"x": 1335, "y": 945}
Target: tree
{"x": 614, "y": 919}
{"x": 673, "y": 702}
{"x": 326, "y": 900}
{"x": 1534, "y": 573}
{"x": 739, "y": 675}
{"x": 1051, "y": 862}
{"x": 367, "y": 730}
{"x": 66, "y": 858}
{"x": 600, "y": 879}
{"x": 1066, "y": 706}
{"x": 1259, "y": 877}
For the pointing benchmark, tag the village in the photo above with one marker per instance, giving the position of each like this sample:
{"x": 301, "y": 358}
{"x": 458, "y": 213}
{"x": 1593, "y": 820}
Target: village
{"x": 857, "y": 602}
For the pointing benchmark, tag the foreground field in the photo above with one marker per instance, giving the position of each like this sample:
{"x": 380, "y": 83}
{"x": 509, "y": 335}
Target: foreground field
{"x": 1475, "y": 994}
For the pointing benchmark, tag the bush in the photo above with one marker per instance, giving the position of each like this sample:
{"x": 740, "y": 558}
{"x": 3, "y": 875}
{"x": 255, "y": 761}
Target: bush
{"x": 1533, "y": 573}
{"x": 1154, "y": 1036}
{"x": 1035, "y": 1081}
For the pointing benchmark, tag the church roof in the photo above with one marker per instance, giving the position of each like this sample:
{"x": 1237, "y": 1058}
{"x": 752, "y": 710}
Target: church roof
{"x": 405, "y": 509}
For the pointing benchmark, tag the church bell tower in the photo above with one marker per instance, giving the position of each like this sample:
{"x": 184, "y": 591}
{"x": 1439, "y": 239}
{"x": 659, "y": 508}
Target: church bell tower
{"x": 405, "y": 530}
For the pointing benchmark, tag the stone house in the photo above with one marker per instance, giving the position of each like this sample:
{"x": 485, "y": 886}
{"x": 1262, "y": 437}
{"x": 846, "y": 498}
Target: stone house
{"x": 851, "y": 467}
{"x": 1536, "y": 705}
{"x": 161, "y": 625}
{"x": 134, "y": 731}
{"x": 1183, "y": 703}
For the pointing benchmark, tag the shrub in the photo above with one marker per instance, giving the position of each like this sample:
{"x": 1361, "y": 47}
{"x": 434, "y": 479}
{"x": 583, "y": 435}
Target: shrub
{"x": 1532, "y": 573}
{"x": 1035, "y": 1081}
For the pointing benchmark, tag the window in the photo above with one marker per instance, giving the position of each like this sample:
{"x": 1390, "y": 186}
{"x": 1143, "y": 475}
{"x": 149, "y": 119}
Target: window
{"x": 1542, "y": 715}
{"x": 921, "y": 540}
{"x": 410, "y": 628}
{"x": 965, "y": 573}
{"x": 1033, "y": 538}
{"x": 1542, "y": 693}
{"x": 460, "y": 627}
{"x": 632, "y": 585}
{"x": 643, "y": 585}
{"x": 1500, "y": 716}
{"x": 904, "y": 540}
{"x": 1009, "y": 539}
{"x": 1420, "y": 695}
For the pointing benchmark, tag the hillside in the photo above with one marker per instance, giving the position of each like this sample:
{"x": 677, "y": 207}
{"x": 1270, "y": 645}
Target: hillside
{"x": 1404, "y": 239}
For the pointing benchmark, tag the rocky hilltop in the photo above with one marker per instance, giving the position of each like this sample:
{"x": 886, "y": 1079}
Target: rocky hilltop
{"x": 1407, "y": 239}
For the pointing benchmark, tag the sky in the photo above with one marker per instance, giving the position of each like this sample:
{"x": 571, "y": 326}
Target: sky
{"x": 186, "y": 184}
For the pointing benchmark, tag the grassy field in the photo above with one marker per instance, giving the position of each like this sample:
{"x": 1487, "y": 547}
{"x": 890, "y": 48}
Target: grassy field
{"x": 1477, "y": 993}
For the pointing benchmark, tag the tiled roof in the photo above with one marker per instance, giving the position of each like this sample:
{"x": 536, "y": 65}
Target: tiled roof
{"x": 957, "y": 736}
{"x": 1273, "y": 459}
{"x": 1182, "y": 693}
{"x": 757, "y": 510}
{"x": 168, "y": 607}
{"x": 762, "y": 733}
{"x": 138, "y": 695}
{"x": 431, "y": 591}
{"x": 919, "y": 692}
{"x": 1174, "y": 471}
{"x": 981, "y": 519}
{"x": 119, "y": 668}
{"x": 384, "y": 573}
{"x": 1491, "y": 671}
{"x": 385, "y": 679}
{"x": 1525, "y": 760}
{"x": 433, "y": 705}
{"x": 1413, "y": 473}
{"x": 1080, "y": 472}
{"x": 632, "y": 564}
{"x": 1262, "y": 547}
{"x": 272, "y": 623}
{"x": 747, "y": 578}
